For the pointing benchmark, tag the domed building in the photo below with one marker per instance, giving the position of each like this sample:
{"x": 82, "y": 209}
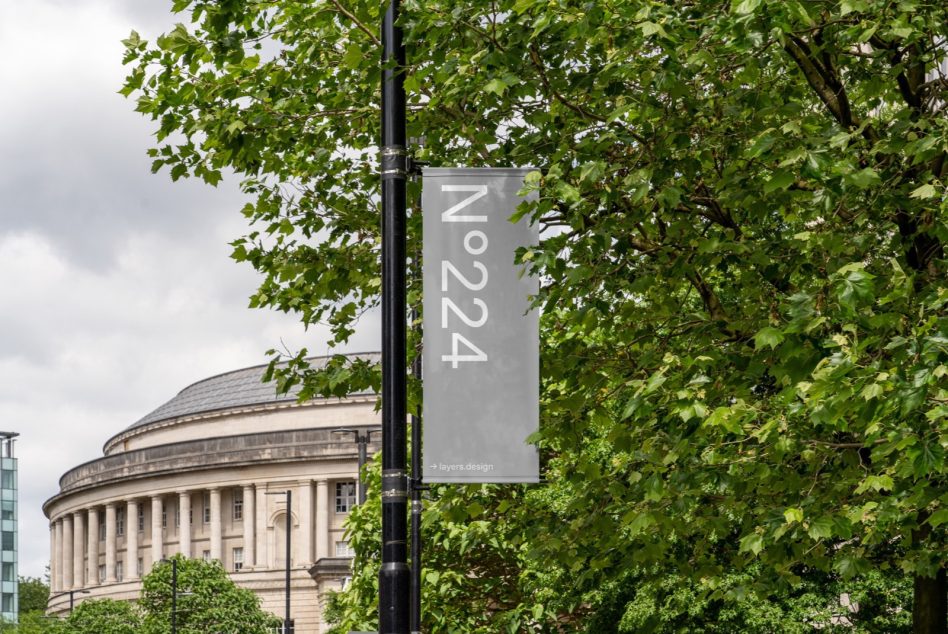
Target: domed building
{"x": 205, "y": 475}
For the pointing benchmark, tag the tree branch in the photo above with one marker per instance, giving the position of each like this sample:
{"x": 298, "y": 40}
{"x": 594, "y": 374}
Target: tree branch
{"x": 908, "y": 84}
{"x": 711, "y": 302}
{"x": 822, "y": 77}
{"x": 583, "y": 112}
{"x": 362, "y": 27}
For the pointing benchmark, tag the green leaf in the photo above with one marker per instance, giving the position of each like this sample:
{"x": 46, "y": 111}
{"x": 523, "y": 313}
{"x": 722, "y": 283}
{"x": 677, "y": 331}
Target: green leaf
{"x": 726, "y": 418}
{"x": 744, "y": 6}
{"x": 655, "y": 381}
{"x": 929, "y": 459}
{"x": 651, "y": 28}
{"x": 876, "y": 483}
{"x": 752, "y": 543}
{"x": 849, "y": 567}
{"x": 871, "y": 391}
{"x": 864, "y": 178}
{"x": 849, "y": 6}
{"x": 637, "y": 522}
{"x": 924, "y": 191}
{"x": 353, "y": 56}
{"x": 938, "y": 518}
{"x": 779, "y": 180}
{"x": 769, "y": 337}
{"x": 821, "y": 528}
{"x": 496, "y": 86}
{"x": 793, "y": 515}
{"x": 592, "y": 171}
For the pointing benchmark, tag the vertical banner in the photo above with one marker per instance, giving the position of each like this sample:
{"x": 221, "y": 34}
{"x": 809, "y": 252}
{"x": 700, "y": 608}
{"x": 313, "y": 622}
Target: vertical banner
{"x": 481, "y": 341}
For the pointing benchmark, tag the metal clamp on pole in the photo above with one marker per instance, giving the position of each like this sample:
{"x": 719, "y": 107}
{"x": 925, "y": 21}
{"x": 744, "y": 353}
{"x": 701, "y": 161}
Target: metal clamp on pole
{"x": 394, "y": 162}
{"x": 394, "y": 484}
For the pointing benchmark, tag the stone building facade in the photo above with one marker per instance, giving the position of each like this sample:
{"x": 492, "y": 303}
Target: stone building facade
{"x": 203, "y": 475}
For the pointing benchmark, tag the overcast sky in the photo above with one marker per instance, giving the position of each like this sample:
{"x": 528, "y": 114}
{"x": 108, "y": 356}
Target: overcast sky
{"x": 117, "y": 287}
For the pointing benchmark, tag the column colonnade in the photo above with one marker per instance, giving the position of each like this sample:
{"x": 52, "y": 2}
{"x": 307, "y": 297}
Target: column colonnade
{"x": 75, "y": 548}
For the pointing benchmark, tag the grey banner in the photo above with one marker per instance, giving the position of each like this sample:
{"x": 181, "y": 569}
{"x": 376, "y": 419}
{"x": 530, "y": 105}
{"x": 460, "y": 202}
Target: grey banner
{"x": 481, "y": 341}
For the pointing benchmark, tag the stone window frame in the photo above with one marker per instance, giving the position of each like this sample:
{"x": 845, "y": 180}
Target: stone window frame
{"x": 345, "y": 499}
{"x": 343, "y": 549}
{"x": 238, "y": 505}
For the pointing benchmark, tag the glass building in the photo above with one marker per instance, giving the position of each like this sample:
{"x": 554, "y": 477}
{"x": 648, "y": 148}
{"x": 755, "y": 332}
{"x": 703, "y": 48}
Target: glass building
{"x": 9, "y": 599}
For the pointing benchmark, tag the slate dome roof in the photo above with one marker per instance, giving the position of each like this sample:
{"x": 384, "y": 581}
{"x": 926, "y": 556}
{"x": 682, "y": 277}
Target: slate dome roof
{"x": 238, "y": 388}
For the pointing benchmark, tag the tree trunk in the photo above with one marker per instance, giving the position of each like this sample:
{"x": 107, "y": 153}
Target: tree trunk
{"x": 930, "y": 608}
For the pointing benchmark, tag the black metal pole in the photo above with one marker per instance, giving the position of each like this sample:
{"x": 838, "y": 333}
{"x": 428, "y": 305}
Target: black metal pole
{"x": 394, "y": 576}
{"x": 72, "y": 600}
{"x": 174, "y": 596}
{"x": 417, "y": 506}
{"x": 289, "y": 552}
{"x": 363, "y": 440}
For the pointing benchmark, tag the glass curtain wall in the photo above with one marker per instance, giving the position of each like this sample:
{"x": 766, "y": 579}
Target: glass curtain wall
{"x": 9, "y": 591}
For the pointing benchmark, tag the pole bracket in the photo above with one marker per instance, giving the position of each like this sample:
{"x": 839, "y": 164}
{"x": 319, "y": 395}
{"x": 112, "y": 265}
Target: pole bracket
{"x": 415, "y": 166}
{"x": 415, "y": 484}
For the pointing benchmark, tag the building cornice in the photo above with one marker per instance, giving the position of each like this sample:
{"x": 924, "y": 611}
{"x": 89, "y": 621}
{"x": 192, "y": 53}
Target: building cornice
{"x": 229, "y": 452}
{"x": 269, "y": 406}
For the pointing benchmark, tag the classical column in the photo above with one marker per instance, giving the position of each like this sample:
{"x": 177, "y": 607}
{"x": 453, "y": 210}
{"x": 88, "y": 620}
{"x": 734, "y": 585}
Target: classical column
{"x": 250, "y": 520}
{"x": 131, "y": 540}
{"x": 111, "y": 543}
{"x": 92, "y": 567}
{"x": 54, "y": 583}
{"x": 261, "y": 528}
{"x": 157, "y": 539}
{"x": 78, "y": 550}
{"x": 184, "y": 528}
{"x": 66, "y": 544}
{"x": 322, "y": 519}
{"x": 216, "y": 524}
{"x": 304, "y": 541}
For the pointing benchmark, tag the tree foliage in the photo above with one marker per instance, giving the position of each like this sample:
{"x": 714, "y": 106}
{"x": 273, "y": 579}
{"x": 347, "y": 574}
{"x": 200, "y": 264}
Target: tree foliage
{"x": 103, "y": 616}
{"x": 745, "y": 342}
{"x": 34, "y": 623}
{"x": 33, "y": 594}
{"x": 208, "y": 601}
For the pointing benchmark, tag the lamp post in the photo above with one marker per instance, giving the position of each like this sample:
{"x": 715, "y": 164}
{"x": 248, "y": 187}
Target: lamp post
{"x": 394, "y": 575}
{"x": 174, "y": 596}
{"x": 417, "y": 506}
{"x": 174, "y": 593}
{"x": 363, "y": 441}
{"x": 72, "y": 597}
{"x": 289, "y": 532}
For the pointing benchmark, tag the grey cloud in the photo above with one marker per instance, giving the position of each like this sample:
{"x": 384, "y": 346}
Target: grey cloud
{"x": 118, "y": 290}
{"x": 79, "y": 172}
